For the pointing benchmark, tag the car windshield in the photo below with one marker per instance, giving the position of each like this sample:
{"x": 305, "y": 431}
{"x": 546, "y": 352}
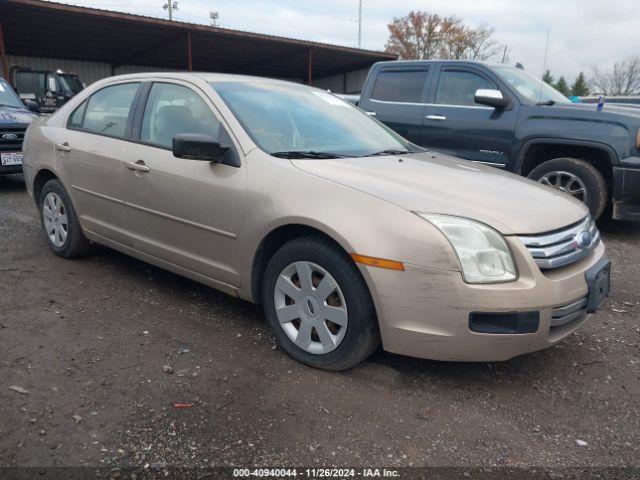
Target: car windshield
{"x": 532, "y": 88}
{"x": 8, "y": 97}
{"x": 72, "y": 82}
{"x": 300, "y": 122}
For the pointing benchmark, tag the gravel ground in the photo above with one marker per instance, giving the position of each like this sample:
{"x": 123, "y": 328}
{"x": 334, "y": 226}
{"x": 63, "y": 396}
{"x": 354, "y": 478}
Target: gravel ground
{"x": 105, "y": 346}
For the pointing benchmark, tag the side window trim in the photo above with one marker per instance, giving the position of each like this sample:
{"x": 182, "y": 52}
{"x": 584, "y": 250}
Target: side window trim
{"x": 464, "y": 70}
{"x": 138, "y": 114}
{"x": 425, "y": 69}
{"x": 85, "y": 102}
{"x": 83, "y": 106}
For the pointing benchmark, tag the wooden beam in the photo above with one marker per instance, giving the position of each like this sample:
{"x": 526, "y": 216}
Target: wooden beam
{"x": 189, "y": 52}
{"x": 3, "y": 57}
{"x": 309, "y": 67}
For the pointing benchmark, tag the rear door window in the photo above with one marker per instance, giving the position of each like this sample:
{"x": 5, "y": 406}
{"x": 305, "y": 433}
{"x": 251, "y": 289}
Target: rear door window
{"x": 458, "y": 87}
{"x": 402, "y": 86}
{"x": 107, "y": 110}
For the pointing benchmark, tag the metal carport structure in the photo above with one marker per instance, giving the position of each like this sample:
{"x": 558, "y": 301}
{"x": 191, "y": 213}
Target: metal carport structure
{"x": 36, "y": 28}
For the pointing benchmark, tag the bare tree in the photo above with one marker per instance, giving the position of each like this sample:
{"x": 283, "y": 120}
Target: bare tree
{"x": 422, "y": 36}
{"x": 482, "y": 46}
{"x": 622, "y": 79}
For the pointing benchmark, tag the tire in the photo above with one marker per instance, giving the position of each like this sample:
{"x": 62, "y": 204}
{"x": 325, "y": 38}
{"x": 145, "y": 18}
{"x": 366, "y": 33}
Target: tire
{"x": 74, "y": 244}
{"x": 353, "y": 342}
{"x": 560, "y": 169}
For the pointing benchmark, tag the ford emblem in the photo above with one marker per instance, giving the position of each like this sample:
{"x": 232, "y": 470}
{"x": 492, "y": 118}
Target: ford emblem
{"x": 9, "y": 136}
{"x": 584, "y": 239}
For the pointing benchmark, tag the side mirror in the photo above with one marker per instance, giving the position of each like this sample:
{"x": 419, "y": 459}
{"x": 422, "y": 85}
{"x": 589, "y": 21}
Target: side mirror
{"x": 492, "y": 98}
{"x": 31, "y": 105}
{"x": 195, "y": 146}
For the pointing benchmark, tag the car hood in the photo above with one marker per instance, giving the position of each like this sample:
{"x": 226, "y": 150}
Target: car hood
{"x": 619, "y": 108}
{"x": 16, "y": 116}
{"x": 434, "y": 183}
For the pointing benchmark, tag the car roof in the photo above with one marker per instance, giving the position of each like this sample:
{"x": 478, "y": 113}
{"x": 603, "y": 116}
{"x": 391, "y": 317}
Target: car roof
{"x": 434, "y": 61}
{"x": 206, "y": 76}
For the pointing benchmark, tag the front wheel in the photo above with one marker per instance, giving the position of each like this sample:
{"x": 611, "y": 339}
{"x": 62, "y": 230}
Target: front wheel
{"x": 318, "y": 305}
{"x": 577, "y": 178}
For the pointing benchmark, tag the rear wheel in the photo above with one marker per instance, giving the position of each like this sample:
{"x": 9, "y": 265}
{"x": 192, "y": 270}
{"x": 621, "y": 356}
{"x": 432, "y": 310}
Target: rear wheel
{"x": 318, "y": 305}
{"x": 577, "y": 178}
{"x": 60, "y": 222}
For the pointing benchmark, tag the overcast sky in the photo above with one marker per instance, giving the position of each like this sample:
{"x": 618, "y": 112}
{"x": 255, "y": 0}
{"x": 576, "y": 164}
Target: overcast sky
{"x": 583, "y": 32}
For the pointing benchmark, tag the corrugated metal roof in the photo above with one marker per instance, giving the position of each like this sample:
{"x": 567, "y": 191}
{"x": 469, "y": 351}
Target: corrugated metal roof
{"x": 222, "y": 29}
{"x": 47, "y": 29}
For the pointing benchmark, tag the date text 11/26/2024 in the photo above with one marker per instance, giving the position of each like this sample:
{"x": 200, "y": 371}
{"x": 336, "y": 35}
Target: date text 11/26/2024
{"x": 316, "y": 473}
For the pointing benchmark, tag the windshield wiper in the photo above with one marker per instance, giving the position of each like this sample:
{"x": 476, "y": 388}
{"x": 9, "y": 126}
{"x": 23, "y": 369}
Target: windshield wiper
{"x": 9, "y": 105}
{"x": 306, "y": 154}
{"x": 547, "y": 103}
{"x": 389, "y": 151}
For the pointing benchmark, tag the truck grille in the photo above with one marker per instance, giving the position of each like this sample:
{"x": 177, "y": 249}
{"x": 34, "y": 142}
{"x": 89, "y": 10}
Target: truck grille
{"x": 563, "y": 247}
{"x": 11, "y": 138}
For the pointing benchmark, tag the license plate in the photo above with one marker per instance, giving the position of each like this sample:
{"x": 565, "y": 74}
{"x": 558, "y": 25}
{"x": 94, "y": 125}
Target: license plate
{"x": 11, "y": 158}
{"x": 599, "y": 281}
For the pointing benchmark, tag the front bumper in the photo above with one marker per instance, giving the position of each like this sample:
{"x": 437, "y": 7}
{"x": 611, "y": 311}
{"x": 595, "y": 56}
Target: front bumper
{"x": 626, "y": 190}
{"x": 10, "y": 169}
{"x": 425, "y": 312}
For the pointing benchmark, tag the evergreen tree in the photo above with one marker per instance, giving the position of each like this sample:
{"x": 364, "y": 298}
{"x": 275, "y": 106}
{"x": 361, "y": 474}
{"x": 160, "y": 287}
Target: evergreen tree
{"x": 548, "y": 78}
{"x": 580, "y": 87}
{"x": 563, "y": 87}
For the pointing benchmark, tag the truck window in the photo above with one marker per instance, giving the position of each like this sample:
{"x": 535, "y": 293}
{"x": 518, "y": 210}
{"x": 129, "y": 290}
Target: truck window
{"x": 458, "y": 87}
{"x": 399, "y": 86}
{"x": 30, "y": 84}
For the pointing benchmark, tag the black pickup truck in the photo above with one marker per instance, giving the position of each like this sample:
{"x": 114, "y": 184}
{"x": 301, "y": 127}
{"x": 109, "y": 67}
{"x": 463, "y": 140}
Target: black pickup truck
{"x": 14, "y": 120}
{"x": 505, "y": 117}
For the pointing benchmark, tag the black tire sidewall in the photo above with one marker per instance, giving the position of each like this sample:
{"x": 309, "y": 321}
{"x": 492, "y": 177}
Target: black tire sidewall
{"x": 597, "y": 194}
{"x": 362, "y": 335}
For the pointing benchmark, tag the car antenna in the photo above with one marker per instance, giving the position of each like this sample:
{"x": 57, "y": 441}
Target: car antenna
{"x": 544, "y": 66}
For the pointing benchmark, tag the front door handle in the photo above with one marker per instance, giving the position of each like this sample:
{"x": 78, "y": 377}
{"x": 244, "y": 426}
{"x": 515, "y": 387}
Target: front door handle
{"x": 63, "y": 147}
{"x": 138, "y": 166}
{"x": 438, "y": 118}
{"x": 371, "y": 114}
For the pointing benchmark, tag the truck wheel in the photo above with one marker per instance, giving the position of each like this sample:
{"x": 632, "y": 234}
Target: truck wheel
{"x": 576, "y": 177}
{"x": 318, "y": 305}
{"x": 60, "y": 222}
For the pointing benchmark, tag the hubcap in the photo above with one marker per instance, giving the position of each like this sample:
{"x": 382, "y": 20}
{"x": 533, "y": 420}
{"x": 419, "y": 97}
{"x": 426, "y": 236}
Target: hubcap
{"x": 566, "y": 182}
{"x": 55, "y": 219}
{"x": 310, "y": 307}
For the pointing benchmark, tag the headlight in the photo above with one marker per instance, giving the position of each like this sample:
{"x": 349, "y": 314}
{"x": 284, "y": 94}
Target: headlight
{"x": 483, "y": 253}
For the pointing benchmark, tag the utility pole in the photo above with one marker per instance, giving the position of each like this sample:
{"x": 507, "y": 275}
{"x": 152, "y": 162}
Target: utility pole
{"x": 505, "y": 54}
{"x": 170, "y": 6}
{"x": 360, "y": 24}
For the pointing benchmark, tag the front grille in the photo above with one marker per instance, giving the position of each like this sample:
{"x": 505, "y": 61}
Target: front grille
{"x": 567, "y": 313}
{"x": 11, "y": 144}
{"x": 563, "y": 247}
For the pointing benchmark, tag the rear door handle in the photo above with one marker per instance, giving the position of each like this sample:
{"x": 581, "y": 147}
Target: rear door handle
{"x": 372, "y": 114}
{"x": 437, "y": 118}
{"x": 138, "y": 166}
{"x": 63, "y": 147}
